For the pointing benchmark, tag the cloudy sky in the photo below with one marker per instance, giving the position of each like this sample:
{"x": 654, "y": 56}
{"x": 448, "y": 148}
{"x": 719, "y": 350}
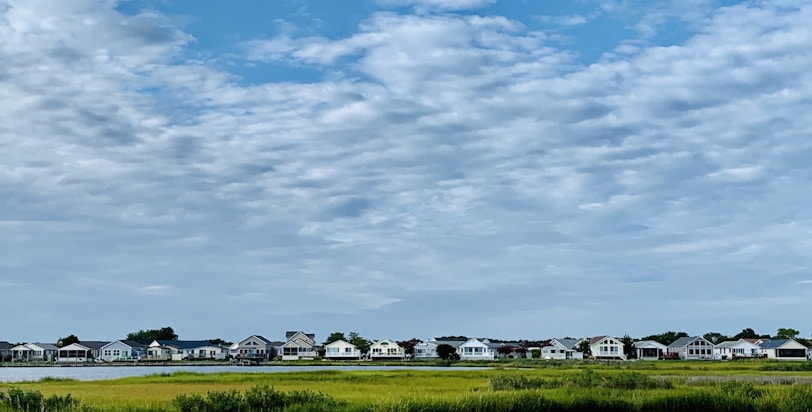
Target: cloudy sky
{"x": 400, "y": 168}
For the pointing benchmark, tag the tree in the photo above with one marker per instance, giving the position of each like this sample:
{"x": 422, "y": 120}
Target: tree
{"x": 218, "y": 341}
{"x": 165, "y": 333}
{"x": 666, "y": 338}
{"x": 68, "y": 340}
{"x": 583, "y": 347}
{"x": 749, "y": 333}
{"x": 786, "y": 333}
{"x": 505, "y": 349}
{"x": 408, "y": 345}
{"x": 361, "y": 343}
{"x": 628, "y": 346}
{"x": 535, "y": 353}
{"x": 715, "y": 337}
{"x": 447, "y": 352}
{"x": 335, "y": 336}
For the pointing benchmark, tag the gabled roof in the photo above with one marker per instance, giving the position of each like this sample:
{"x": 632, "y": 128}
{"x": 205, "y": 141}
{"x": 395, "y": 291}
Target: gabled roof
{"x": 734, "y": 343}
{"x": 289, "y": 334}
{"x": 184, "y": 344}
{"x": 135, "y": 343}
{"x": 597, "y": 339}
{"x": 339, "y": 342}
{"x": 776, "y": 343}
{"x": 452, "y": 343}
{"x": 46, "y": 346}
{"x": 568, "y": 343}
{"x": 93, "y": 344}
{"x": 648, "y": 344}
{"x": 686, "y": 340}
{"x": 475, "y": 342}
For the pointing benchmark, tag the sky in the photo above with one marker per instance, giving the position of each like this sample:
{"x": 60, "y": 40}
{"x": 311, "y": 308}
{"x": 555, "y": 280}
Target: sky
{"x": 404, "y": 168}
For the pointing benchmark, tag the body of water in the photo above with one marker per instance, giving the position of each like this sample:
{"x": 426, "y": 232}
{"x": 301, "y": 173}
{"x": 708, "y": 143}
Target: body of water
{"x": 96, "y": 373}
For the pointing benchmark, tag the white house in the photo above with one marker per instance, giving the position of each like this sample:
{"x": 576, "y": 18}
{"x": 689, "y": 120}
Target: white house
{"x": 123, "y": 350}
{"x": 733, "y": 349}
{"x": 692, "y": 347}
{"x": 425, "y": 350}
{"x": 85, "y": 351}
{"x": 184, "y": 349}
{"x": 386, "y": 349}
{"x": 34, "y": 352}
{"x": 341, "y": 350}
{"x": 606, "y": 347}
{"x": 649, "y": 349}
{"x": 299, "y": 345}
{"x": 474, "y": 349}
{"x": 253, "y": 347}
{"x": 560, "y": 349}
{"x": 783, "y": 349}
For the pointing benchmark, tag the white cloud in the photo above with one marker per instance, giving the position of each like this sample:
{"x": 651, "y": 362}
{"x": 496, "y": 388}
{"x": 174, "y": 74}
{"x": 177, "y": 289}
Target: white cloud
{"x": 444, "y": 5}
{"x": 442, "y": 157}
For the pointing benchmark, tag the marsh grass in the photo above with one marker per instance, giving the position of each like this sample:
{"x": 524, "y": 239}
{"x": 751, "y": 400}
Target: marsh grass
{"x": 513, "y": 386}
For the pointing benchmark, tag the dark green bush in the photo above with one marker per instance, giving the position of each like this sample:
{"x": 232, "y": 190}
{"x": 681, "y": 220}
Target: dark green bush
{"x": 33, "y": 401}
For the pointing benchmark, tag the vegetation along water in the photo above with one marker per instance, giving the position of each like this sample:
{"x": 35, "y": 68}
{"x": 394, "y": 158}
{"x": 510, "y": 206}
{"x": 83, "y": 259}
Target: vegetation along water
{"x": 510, "y": 386}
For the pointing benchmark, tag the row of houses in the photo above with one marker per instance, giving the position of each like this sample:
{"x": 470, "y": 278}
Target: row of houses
{"x": 300, "y": 345}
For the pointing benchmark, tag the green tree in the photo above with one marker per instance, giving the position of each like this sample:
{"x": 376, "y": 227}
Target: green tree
{"x": 218, "y": 341}
{"x": 67, "y": 340}
{"x": 446, "y": 351}
{"x": 535, "y": 353}
{"x": 715, "y": 337}
{"x": 748, "y": 333}
{"x": 666, "y": 338}
{"x": 583, "y": 347}
{"x": 360, "y": 342}
{"x": 628, "y": 346}
{"x": 335, "y": 336}
{"x": 165, "y": 333}
{"x": 786, "y": 333}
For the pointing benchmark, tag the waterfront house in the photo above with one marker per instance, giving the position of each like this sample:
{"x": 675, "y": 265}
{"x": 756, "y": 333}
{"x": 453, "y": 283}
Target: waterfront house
{"x": 560, "y": 349}
{"x": 253, "y": 347}
{"x": 606, "y": 347}
{"x": 34, "y": 352}
{"x": 123, "y": 350}
{"x": 5, "y": 351}
{"x": 475, "y": 349}
{"x": 83, "y": 351}
{"x": 783, "y": 349}
{"x": 185, "y": 349}
{"x": 425, "y": 350}
{"x": 299, "y": 345}
{"x": 386, "y": 349}
{"x": 649, "y": 350}
{"x": 733, "y": 349}
{"x": 692, "y": 348}
{"x": 341, "y": 350}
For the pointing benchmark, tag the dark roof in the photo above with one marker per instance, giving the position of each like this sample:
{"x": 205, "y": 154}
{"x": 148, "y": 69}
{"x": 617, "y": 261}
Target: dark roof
{"x": 685, "y": 340}
{"x": 569, "y": 343}
{"x": 185, "y": 344}
{"x": 289, "y": 334}
{"x": 46, "y": 346}
{"x": 452, "y": 343}
{"x": 5, "y": 345}
{"x": 262, "y": 338}
{"x": 92, "y": 344}
{"x": 773, "y": 343}
{"x": 597, "y": 339}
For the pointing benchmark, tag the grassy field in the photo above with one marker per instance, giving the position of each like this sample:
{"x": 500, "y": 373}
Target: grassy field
{"x": 629, "y": 386}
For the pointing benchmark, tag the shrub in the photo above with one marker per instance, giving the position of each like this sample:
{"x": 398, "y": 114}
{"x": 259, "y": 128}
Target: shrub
{"x": 30, "y": 401}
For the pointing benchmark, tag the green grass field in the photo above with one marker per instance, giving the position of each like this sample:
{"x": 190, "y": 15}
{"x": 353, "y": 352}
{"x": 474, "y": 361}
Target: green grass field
{"x": 629, "y": 386}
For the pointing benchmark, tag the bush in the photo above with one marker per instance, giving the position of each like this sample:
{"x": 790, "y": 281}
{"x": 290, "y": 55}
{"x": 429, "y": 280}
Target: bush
{"x": 259, "y": 398}
{"x": 31, "y": 401}
{"x": 519, "y": 382}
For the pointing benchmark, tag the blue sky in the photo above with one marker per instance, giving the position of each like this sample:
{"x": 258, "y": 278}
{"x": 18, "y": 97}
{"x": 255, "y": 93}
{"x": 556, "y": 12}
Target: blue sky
{"x": 401, "y": 168}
